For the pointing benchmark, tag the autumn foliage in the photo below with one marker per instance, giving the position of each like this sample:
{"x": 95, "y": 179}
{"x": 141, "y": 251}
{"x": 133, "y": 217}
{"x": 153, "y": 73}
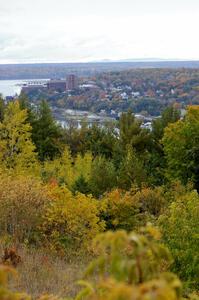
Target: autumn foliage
{"x": 115, "y": 188}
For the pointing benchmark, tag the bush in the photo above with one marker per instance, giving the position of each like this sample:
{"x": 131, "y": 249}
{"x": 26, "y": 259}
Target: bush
{"x": 71, "y": 221}
{"x": 151, "y": 201}
{"x": 121, "y": 211}
{"x": 129, "y": 210}
{"x": 180, "y": 228}
{"x": 22, "y": 203}
{"x": 130, "y": 267}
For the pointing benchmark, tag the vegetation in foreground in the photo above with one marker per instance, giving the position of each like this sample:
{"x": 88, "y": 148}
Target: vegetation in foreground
{"x": 134, "y": 192}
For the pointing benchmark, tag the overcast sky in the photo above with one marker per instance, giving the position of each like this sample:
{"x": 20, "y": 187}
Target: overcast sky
{"x": 92, "y": 30}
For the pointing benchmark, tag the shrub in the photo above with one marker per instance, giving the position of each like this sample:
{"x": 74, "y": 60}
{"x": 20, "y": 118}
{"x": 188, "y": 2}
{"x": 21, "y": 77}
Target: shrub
{"x": 129, "y": 267}
{"x": 151, "y": 201}
{"x": 129, "y": 210}
{"x": 180, "y": 228}
{"x": 121, "y": 211}
{"x": 21, "y": 207}
{"x": 71, "y": 221}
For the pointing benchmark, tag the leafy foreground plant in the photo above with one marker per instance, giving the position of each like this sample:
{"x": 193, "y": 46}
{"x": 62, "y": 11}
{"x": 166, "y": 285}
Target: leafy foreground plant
{"x": 131, "y": 267}
{"x": 128, "y": 267}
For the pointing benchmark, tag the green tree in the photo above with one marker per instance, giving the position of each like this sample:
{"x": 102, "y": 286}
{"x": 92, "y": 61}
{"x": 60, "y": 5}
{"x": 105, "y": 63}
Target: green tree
{"x": 132, "y": 134}
{"x": 103, "y": 176}
{"x": 46, "y": 133}
{"x": 24, "y": 103}
{"x": 156, "y": 161}
{"x": 131, "y": 170}
{"x": 180, "y": 228}
{"x": 101, "y": 140}
{"x": 169, "y": 115}
{"x": 181, "y": 148}
{"x": 81, "y": 185}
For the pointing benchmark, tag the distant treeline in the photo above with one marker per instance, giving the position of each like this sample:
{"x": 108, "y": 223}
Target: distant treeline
{"x": 58, "y": 70}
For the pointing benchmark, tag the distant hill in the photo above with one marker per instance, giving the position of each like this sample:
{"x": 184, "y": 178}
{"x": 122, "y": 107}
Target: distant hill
{"x": 59, "y": 70}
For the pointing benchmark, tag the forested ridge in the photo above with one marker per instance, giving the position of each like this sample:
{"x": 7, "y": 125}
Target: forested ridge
{"x": 98, "y": 212}
{"x": 58, "y": 70}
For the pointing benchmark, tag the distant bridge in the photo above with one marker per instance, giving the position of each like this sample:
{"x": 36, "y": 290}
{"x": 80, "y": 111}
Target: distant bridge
{"x": 36, "y": 82}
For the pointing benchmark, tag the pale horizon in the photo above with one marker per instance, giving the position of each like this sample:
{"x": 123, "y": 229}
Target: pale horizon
{"x": 62, "y": 31}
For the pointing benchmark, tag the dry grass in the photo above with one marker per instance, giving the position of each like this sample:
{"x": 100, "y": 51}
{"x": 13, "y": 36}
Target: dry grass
{"x": 44, "y": 273}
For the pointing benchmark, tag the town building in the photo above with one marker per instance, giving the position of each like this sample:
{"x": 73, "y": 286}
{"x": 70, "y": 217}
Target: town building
{"x": 71, "y": 82}
{"x": 57, "y": 85}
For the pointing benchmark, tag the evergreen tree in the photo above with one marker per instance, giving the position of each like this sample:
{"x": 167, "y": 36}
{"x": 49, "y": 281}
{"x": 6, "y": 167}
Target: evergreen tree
{"x": 131, "y": 133}
{"x": 81, "y": 185}
{"x": 103, "y": 176}
{"x": 46, "y": 133}
{"x": 157, "y": 163}
{"x": 101, "y": 140}
{"x": 131, "y": 171}
{"x": 24, "y": 103}
{"x": 169, "y": 115}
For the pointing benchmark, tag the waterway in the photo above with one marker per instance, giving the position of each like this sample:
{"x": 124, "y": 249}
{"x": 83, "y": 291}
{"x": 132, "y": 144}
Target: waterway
{"x": 13, "y": 87}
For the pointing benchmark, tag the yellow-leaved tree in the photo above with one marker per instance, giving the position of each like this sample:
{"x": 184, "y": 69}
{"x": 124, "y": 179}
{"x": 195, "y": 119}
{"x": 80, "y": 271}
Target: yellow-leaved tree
{"x": 59, "y": 169}
{"x": 83, "y": 166}
{"x": 17, "y": 152}
{"x": 66, "y": 170}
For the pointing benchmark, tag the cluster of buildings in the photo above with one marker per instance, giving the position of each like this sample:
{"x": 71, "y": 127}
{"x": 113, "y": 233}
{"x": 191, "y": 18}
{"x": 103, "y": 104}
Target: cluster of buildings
{"x": 62, "y": 85}
{"x": 54, "y": 85}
